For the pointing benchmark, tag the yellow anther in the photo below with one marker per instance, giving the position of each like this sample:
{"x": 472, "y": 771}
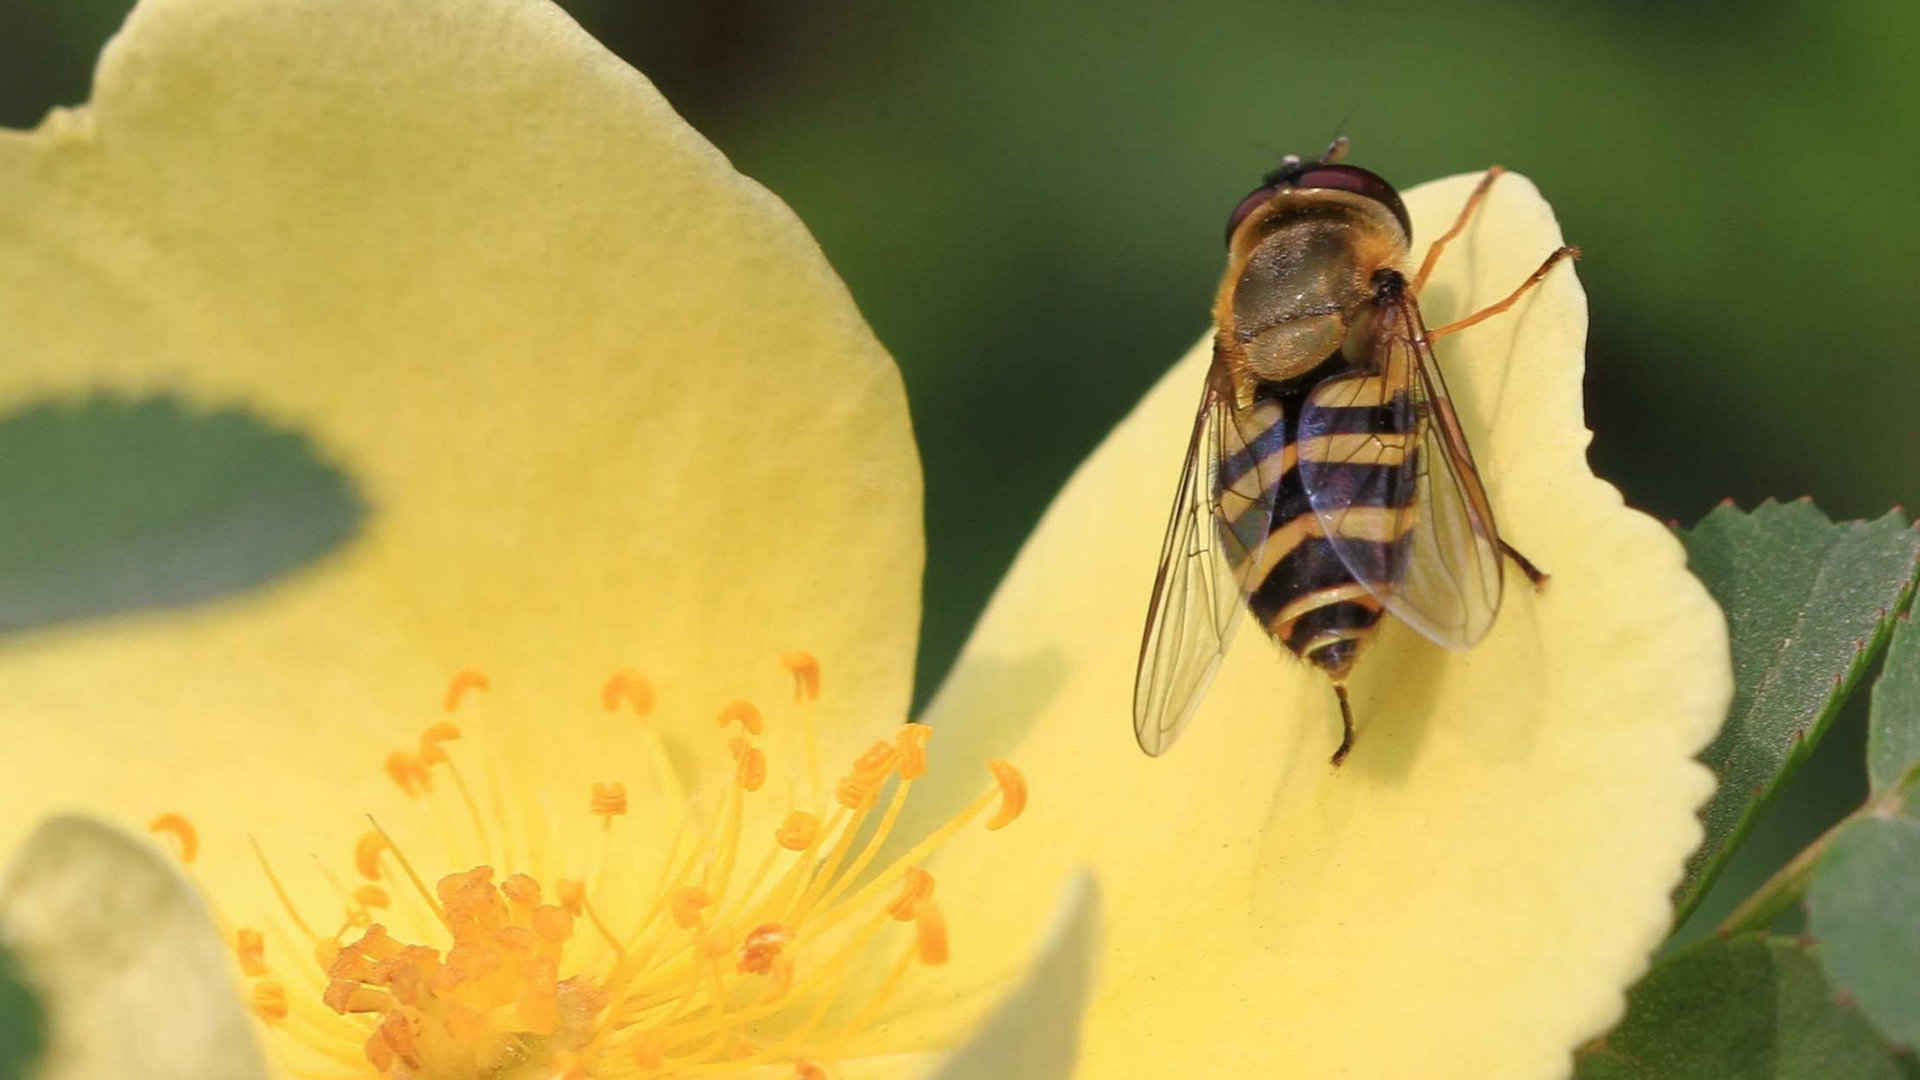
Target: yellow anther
{"x": 572, "y": 895}
{"x": 393, "y": 1043}
{"x": 521, "y": 889}
{"x": 762, "y": 947}
{"x": 930, "y": 934}
{"x": 917, "y": 888}
{"x": 182, "y": 831}
{"x": 751, "y": 770}
{"x": 347, "y": 996}
{"x": 552, "y": 923}
{"x": 798, "y": 831}
{"x": 806, "y": 675}
{"x": 1013, "y": 794}
{"x": 372, "y": 896}
{"x": 877, "y": 760}
{"x": 855, "y": 792}
{"x": 366, "y": 854}
{"x": 409, "y": 772}
{"x": 609, "y": 800}
{"x": 250, "y": 946}
{"x": 647, "y": 1052}
{"x": 911, "y": 746}
{"x": 462, "y": 681}
{"x": 744, "y": 714}
{"x": 687, "y": 902}
{"x": 808, "y": 1070}
{"x": 630, "y": 686}
{"x": 430, "y": 740}
{"x": 268, "y": 1000}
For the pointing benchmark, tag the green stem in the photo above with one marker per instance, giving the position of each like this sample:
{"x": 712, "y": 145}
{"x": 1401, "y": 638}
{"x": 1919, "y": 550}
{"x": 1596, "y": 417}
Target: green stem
{"x": 1789, "y": 883}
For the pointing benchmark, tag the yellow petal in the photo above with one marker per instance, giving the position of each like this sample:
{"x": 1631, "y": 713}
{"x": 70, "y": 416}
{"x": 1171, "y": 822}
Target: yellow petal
{"x": 606, "y": 400}
{"x": 112, "y": 938}
{"x": 1471, "y": 893}
{"x": 1034, "y": 1030}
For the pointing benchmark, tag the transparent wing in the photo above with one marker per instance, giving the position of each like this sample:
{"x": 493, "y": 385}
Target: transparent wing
{"x": 1388, "y": 473}
{"x": 1222, "y": 512}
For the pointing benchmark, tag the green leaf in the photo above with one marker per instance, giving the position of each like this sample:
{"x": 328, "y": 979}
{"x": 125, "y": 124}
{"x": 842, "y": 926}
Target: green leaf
{"x": 1752, "y": 1008}
{"x": 1863, "y": 907}
{"x": 1893, "y": 731}
{"x": 114, "y": 505}
{"x": 1809, "y": 604}
{"x": 22, "y": 1026}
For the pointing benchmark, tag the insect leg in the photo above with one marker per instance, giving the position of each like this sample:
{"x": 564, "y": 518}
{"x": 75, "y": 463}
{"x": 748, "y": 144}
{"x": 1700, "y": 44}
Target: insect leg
{"x": 1466, "y": 214}
{"x": 1491, "y": 310}
{"x": 1346, "y": 723}
{"x": 1534, "y": 573}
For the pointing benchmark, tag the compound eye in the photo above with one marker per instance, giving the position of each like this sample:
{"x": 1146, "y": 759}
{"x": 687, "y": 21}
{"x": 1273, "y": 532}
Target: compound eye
{"x": 1247, "y": 206}
{"x": 1359, "y": 182}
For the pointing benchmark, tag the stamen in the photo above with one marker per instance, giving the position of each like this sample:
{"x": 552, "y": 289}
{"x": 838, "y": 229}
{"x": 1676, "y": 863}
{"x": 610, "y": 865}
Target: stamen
{"x": 930, "y": 933}
{"x": 280, "y": 891}
{"x": 250, "y": 947}
{"x": 366, "y": 854}
{"x": 798, "y": 831}
{"x": 430, "y": 740}
{"x": 743, "y": 713}
{"x": 750, "y": 770}
{"x": 917, "y": 887}
{"x": 911, "y": 745}
{"x": 1013, "y": 794}
{"x": 462, "y": 681}
{"x": 609, "y": 801}
{"x": 719, "y": 952}
{"x": 406, "y": 867}
{"x": 268, "y": 1000}
{"x": 630, "y": 686}
{"x": 409, "y": 772}
{"x": 183, "y": 832}
{"x": 806, "y": 675}
{"x": 762, "y": 947}
{"x": 687, "y": 902}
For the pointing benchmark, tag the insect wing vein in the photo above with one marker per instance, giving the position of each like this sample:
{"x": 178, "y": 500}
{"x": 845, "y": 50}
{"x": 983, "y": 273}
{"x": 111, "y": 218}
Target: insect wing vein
{"x": 1389, "y": 475}
{"x": 1222, "y": 511}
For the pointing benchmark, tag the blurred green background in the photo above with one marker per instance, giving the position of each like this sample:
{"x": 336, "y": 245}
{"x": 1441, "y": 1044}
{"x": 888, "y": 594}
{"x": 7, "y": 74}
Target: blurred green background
{"x": 1026, "y": 199}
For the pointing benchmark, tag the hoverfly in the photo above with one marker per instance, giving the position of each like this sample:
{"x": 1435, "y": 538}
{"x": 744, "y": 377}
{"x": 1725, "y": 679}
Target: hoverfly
{"x": 1327, "y": 479}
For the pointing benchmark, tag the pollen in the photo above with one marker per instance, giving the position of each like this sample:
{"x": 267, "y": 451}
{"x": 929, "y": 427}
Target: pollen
{"x": 505, "y": 935}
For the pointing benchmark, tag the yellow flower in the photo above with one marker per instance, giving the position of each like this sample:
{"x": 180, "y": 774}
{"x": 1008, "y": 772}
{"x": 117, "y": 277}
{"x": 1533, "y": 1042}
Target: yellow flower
{"x": 584, "y": 757}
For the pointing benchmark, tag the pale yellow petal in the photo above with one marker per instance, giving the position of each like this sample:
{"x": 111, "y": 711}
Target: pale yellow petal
{"x": 1471, "y": 893}
{"x": 1034, "y": 1031}
{"x": 133, "y": 977}
{"x": 607, "y": 403}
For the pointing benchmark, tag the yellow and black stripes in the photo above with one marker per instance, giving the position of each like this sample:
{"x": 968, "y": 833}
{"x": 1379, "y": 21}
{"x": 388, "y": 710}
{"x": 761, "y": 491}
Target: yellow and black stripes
{"x": 1311, "y": 597}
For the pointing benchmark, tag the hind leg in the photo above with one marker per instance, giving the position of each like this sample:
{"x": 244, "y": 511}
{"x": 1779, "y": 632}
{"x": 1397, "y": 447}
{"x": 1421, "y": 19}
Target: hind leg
{"x": 1346, "y": 723}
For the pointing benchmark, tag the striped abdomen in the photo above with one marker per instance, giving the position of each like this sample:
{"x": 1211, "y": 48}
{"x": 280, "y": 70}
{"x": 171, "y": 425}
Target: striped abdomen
{"x": 1307, "y": 597}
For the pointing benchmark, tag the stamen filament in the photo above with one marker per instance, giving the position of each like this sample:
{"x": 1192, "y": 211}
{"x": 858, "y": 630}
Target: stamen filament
{"x": 419, "y": 886}
{"x": 280, "y": 891}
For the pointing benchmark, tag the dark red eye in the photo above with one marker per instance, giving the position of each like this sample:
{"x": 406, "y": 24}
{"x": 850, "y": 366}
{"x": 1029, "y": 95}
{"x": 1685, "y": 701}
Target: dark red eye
{"x": 1247, "y": 206}
{"x": 1359, "y": 182}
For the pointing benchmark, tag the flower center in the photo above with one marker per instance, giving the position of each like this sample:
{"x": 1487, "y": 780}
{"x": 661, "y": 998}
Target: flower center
{"x": 691, "y": 944}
